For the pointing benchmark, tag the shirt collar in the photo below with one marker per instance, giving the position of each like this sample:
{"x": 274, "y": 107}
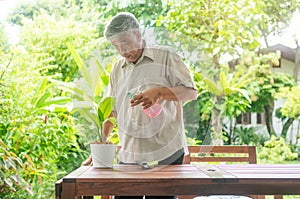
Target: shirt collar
{"x": 147, "y": 52}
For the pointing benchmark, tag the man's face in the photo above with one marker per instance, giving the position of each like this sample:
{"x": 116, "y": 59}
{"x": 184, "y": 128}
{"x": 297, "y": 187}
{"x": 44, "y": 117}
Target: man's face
{"x": 129, "y": 45}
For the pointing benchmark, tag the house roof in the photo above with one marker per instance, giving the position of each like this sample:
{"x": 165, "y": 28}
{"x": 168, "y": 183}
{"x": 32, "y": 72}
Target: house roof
{"x": 286, "y": 52}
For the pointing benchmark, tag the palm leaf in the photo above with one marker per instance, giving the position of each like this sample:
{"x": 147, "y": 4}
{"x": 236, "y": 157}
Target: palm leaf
{"x": 244, "y": 93}
{"x": 81, "y": 65}
{"x": 224, "y": 83}
{"x": 237, "y": 75}
{"x": 212, "y": 87}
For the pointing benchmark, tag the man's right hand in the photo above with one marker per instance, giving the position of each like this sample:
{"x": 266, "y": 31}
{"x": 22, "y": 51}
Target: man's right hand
{"x": 88, "y": 161}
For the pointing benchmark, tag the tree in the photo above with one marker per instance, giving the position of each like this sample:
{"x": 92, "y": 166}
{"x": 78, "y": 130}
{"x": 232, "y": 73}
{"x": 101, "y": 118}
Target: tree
{"x": 219, "y": 28}
{"x": 230, "y": 89}
{"x": 35, "y": 123}
{"x": 278, "y": 15}
{"x": 29, "y": 9}
{"x": 48, "y": 41}
{"x": 3, "y": 39}
{"x": 291, "y": 108}
{"x": 264, "y": 89}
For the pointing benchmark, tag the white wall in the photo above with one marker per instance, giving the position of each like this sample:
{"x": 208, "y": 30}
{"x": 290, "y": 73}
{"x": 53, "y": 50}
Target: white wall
{"x": 286, "y": 67}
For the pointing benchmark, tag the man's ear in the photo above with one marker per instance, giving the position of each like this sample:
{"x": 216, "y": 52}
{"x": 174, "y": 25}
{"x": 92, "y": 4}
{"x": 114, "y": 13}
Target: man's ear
{"x": 138, "y": 35}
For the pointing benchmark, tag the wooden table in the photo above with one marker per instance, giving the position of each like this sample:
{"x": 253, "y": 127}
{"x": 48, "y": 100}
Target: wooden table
{"x": 254, "y": 179}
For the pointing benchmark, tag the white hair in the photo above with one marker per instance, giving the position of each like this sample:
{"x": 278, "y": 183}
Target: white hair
{"x": 120, "y": 23}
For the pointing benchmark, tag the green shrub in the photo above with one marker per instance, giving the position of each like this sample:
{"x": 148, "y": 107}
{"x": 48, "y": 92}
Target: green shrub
{"x": 275, "y": 151}
{"x": 11, "y": 170}
{"x": 35, "y": 124}
{"x": 28, "y": 9}
{"x": 3, "y": 38}
{"x": 48, "y": 43}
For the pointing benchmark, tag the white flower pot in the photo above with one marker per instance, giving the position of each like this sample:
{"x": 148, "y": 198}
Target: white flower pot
{"x": 103, "y": 155}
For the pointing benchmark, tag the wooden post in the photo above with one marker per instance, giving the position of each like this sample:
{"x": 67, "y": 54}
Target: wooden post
{"x": 58, "y": 189}
{"x": 69, "y": 189}
{"x": 297, "y": 63}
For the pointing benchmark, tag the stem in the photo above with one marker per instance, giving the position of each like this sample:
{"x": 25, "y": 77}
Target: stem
{"x": 99, "y": 133}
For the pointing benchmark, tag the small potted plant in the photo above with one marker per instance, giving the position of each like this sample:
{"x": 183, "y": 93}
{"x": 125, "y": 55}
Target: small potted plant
{"x": 93, "y": 107}
{"x": 103, "y": 153}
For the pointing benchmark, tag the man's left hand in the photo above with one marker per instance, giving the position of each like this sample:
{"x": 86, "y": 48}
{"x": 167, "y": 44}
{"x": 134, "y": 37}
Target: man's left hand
{"x": 146, "y": 98}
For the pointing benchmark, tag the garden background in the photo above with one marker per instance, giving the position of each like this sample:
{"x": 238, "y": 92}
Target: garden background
{"x": 44, "y": 135}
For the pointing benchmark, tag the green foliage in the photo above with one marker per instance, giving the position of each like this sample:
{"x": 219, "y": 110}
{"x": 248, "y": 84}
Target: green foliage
{"x": 147, "y": 12}
{"x": 3, "y": 39}
{"x": 291, "y": 107}
{"x": 231, "y": 88}
{"x": 35, "y": 123}
{"x": 192, "y": 141}
{"x": 197, "y": 114}
{"x": 277, "y": 15}
{"x": 232, "y": 91}
{"x": 275, "y": 151}
{"x": 218, "y": 26}
{"x": 290, "y": 110}
{"x": 11, "y": 169}
{"x": 88, "y": 92}
{"x": 48, "y": 43}
{"x": 29, "y": 9}
{"x": 246, "y": 135}
{"x": 267, "y": 83}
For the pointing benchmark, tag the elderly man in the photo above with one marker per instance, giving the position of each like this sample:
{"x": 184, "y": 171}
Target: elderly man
{"x": 149, "y": 85}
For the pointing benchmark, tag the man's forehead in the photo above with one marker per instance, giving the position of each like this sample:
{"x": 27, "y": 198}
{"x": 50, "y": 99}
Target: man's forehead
{"x": 122, "y": 36}
{"x": 118, "y": 38}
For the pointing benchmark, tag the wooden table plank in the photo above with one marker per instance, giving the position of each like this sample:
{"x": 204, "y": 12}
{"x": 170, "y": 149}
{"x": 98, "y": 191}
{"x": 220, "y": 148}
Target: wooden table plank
{"x": 214, "y": 171}
{"x": 133, "y": 172}
{"x": 264, "y": 171}
{"x": 184, "y": 180}
{"x": 75, "y": 174}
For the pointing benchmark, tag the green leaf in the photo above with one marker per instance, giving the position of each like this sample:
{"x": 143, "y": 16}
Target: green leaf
{"x": 237, "y": 75}
{"x": 244, "y": 93}
{"x": 9, "y": 183}
{"x": 212, "y": 86}
{"x": 100, "y": 115}
{"x": 81, "y": 65}
{"x": 106, "y": 107}
{"x": 223, "y": 82}
{"x": 42, "y": 99}
{"x": 216, "y": 50}
{"x": 89, "y": 116}
{"x": 56, "y": 100}
{"x": 38, "y": 91}
{"x": 105, "y": 79}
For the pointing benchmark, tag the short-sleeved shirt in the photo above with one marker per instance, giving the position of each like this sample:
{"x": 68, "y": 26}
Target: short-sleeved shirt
{"x": 145, "y": 139}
